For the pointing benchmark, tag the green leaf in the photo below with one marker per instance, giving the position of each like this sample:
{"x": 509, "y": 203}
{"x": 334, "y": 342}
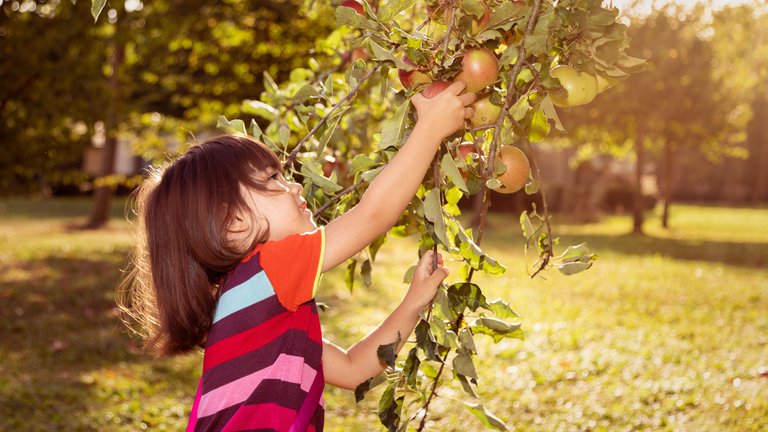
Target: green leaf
{"x": 388, "y": 353}
{"x": 539, "y": 128}
{"x": 349, "y": 274}
{"x": 466, "y": 295}
{"x": 463, "y": 365}
{"x": 411, "y": 368}
{"x": 96, "y": 7}
{"x": 361, "y": 162}
{"x": 505, "y": 14}
{"x": 369, "y": 175}
{"x": 531, "y": 186}
{"x": 390, "y": 407}
{"x": 367, "y": 385}
{"x": 466, "y": 341}
{"x": 349, "y": 17}
{"x": 379, "y": 53}
{"x": 449, "y": 166}
{"x": 234, "y": 126}
{"x": 305, "y": 92}
{"x": 502, "y": 309}
{"x": 392, "y": 128}
{"x": 259, "y": 108}
{"x": 433, "y": 211}
{"x": 489, "y": 419}
{"x": 496, "y": 328}
{"x": 392, "y": 8}
{"x": 443, "y": 336}
{"x": 365, "y": 271}
{"x": 466, "y": 386}
{"x": 520, "y": 109}
{"x": 551, "y": 112}
{"x": 425, "y": 340}
{"x": 572, "y": 268}
{"x": 525, "y": 223}
{"x": 330, "y": 128}
{"x": 319, "y": 180}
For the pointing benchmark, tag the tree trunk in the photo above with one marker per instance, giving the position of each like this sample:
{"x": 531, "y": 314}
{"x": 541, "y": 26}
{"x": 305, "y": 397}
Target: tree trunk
{"x": 667, "y": 188}
{"x": 637, "y": 205}
{"x": 104, "y": 195}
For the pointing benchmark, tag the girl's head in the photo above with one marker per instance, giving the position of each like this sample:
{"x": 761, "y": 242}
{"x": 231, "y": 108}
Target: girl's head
{"x": 199, "y": 216}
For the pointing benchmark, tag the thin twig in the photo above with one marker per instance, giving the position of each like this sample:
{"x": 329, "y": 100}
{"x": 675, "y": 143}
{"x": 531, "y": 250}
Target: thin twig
{"x": 292, "y": 156}
{"x": 338, "y": 196}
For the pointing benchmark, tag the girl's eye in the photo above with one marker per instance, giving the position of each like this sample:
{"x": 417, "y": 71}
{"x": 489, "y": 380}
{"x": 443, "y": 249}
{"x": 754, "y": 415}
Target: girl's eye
{"x": 275, "y": 176}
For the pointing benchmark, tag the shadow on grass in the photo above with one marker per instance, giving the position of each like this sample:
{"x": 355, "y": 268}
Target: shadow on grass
{"x": 64, "y": 351}
{"x": 731, "y": 253}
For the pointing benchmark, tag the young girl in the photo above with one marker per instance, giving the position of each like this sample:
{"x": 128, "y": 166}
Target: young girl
{"x": 229, "y": 260}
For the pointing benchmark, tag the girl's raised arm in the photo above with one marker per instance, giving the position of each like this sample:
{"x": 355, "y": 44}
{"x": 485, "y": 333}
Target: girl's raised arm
{"x": 391, "y": 191}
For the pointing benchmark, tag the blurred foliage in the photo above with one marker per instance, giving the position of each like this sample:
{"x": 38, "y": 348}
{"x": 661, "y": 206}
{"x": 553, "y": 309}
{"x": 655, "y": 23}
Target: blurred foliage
{"x": 186, "y": 63}
{"x": 704, "y": 78}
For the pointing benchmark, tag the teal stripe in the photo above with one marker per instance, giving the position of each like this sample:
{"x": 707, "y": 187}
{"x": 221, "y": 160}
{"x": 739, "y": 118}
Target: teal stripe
{"x": 246, "y": 294}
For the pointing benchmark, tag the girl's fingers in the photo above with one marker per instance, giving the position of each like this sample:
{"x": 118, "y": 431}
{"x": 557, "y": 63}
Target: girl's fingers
{"x": 468, "y": 98}
{"x": 468, "y": 112}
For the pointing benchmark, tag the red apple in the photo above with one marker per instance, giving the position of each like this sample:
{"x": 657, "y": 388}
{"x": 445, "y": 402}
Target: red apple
{"x": 485, "y": 112}
{"x": 435, "y": 89}
{"x": 518, "y": 169}
{"x": 357, "y": 6}
{"x": 466, "y": 148}
{"x": 413, "y": 77}
{"x": 480, "y": 24}
{"x": 479, "y": 69}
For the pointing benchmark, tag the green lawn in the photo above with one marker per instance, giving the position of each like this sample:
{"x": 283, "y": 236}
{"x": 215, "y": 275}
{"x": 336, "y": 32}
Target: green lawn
{"x": 666, "y": 332}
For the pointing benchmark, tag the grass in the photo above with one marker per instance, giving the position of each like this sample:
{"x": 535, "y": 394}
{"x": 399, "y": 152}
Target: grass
{"x": 665, "y": 332}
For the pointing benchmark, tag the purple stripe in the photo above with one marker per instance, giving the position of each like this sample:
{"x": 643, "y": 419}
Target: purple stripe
{"x": 243, "y": 272}
{"x": 308, "y": 408}
{"x": 245, "y": 319}
{"x": 292, "y": 342}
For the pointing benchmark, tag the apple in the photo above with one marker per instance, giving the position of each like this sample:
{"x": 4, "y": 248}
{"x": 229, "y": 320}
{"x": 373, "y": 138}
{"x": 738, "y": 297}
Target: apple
{"x": 580, "y": 86}
{"x": 479, "y": 69}
{"x": 480, "y": 24}
{"x": 357, "y": 6}
{"x": 485, "y": 112}
{"x": 435, "y": 89}
{"x": 518, "y": 169}
{"x": 467, "y": 147}
{"x": 412, "y": 78}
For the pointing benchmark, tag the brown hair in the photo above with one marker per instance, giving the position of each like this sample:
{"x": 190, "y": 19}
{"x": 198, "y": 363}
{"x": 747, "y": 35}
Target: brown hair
{"x": 184, "y": 212}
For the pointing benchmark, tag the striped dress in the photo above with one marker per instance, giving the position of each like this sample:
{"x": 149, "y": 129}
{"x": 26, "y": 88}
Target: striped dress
{"x": 262, "y": 364}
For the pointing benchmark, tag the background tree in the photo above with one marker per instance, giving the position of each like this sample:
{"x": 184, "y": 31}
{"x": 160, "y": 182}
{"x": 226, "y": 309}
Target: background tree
{"x": 680, "y": 103}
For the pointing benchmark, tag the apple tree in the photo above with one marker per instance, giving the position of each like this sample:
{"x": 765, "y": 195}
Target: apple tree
{"x": 339, "y": 120}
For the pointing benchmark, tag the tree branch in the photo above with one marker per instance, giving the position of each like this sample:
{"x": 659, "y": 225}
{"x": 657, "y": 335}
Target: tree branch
{"x": 489, "y": 171}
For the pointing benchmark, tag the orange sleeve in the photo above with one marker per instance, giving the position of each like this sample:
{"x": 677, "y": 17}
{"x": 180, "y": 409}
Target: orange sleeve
{"x": 294, "y": 265}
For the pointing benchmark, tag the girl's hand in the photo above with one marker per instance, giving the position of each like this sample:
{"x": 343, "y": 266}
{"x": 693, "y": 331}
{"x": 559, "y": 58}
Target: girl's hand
{"x": 425, "y": 282}
{"x": 445, "y": 113}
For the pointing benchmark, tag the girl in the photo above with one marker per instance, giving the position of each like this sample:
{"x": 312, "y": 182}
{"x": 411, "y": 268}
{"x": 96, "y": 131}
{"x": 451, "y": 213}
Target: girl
{"x": 229, "y": 260}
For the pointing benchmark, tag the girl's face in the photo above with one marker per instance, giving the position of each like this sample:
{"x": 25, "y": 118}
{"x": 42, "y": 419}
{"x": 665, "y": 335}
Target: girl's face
{"x": 282, "y": 208}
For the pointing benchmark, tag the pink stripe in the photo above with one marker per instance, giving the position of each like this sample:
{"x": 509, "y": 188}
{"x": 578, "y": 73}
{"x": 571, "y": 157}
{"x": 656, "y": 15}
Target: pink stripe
{"x": 286, "y": 368}
{"x": 261, "y": 416}
{"x": 255, "y": 338}
{"x": 193, "y": 414}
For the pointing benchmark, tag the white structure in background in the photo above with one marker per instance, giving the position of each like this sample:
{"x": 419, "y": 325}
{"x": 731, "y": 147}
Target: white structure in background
{"x": 126, "y": 163}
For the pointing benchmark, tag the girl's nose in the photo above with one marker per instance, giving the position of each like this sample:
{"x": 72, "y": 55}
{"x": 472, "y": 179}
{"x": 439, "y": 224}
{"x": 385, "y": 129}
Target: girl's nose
{"x": 295, "y": 188}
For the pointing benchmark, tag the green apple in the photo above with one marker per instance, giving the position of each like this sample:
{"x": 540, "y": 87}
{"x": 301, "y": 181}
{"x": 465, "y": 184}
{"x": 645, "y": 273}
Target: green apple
{"x": 580, "y": 86}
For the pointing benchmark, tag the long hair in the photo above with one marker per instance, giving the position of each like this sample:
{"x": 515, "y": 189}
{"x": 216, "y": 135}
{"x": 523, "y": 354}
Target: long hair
{"x": 183, "y": 249}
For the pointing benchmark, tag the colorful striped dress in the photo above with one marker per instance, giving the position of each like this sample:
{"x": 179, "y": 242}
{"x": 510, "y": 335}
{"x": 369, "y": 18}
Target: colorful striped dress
{"x": 262, "y": 365}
